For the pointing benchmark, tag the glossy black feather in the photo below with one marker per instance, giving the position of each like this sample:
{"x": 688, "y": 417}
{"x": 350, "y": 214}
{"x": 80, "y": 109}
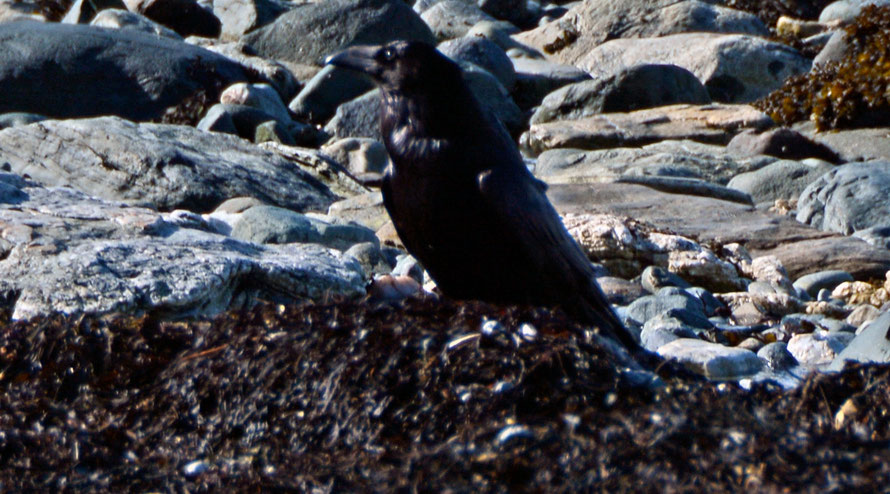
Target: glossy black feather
{"x": 461, "y": 198}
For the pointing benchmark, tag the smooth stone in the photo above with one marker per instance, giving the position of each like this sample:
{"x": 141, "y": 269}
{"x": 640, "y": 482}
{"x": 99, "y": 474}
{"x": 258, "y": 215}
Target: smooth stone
{"x": 814, "y": 282}
{"x": 619, "y": 291}
{"x": 482, "y": 53}
{"x": 647, "y": 307}
{"x": 242, "y": 16}
{"x": 371, "y": 258}
{"x": 332, "y": 86}
{"x": 123, "y": 19}
{"x": 407, "y": 265}
{"x": 358, "y": 154}
{"x": 239, "y": 120}
{"x": 260, "y": 96}
{"x": 712, "y": 360}
{"x": 633, "y": 88}
{"x": 536, "y": 78}
{"x": 309, "y": 32}
{"x": 783, "y": 179}
{"x": 449, "y": 19}
{"x": 654, "y": 278}
{"x": 852, "y": 145}
{"x": 710, "y": 303}
{"x": 847, "y": 10}
{"x": 83, "y": 11}
{"x": 782, "y": 143}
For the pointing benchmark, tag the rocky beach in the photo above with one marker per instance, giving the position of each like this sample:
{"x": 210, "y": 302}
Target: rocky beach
{"x": 201, "y": 290}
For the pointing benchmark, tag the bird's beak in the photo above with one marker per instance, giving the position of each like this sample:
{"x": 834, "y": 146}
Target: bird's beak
{"x": 360, "y": 58}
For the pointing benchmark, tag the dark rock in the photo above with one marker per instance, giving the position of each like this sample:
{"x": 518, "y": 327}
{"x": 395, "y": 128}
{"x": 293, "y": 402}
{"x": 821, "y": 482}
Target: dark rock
{"x": 242, "y": 16}
{"x": 634, "y": 88}
{"x": 645, "y": 308}
{"x": 357, "y": 118}
{"x": 186, "y": 17}
{"x": 814, "y": 282}
{"x": 782, "y": 143}
{"x": 777, "y": 356}
{"x": 311, "y": 31}
{"x": 78, "y": 71}
{"x": 482, "y": 53}
{"x": 536, "y": 78}
{"x": 83, "y": 11}
{"x": 329, "y": 88}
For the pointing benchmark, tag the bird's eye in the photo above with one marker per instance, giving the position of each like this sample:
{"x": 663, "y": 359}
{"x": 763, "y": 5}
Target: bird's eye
{"x": 389, "y": 54}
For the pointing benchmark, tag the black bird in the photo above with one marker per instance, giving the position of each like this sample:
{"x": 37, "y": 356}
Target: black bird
{"x": 461, "y": 198}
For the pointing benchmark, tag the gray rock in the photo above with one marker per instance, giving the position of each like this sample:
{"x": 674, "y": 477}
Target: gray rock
{"x": 407, "y": 265}
{"x": 536, "y": 78}
{"x": 781, "y": 143}
{"x": 619, "y": 291}
{"x": 329, "y": 88}
{"x": 713, "y": 124}
{"x": 853, "y": 145}
{"x": 359, "y": 155}
{"x": 86, "y": 255}
{"x": 848, "y": 198}
{"x": 366, "y": 209}
{"x": 451, "y": 19}
{"x": 650, "y": 306}
{"x": 783, "y": 179}
{"x": 633, "y": 88}
{"x": 708, "y": 300}
{"x": 862, "y": 314}
{"x": 878, "y": 236}
{"x": 660, "y": 331}
{"x": 16, "y": 119}
{"x": 83, "y": 11}
{"x": 590, "y": 23}
{"x": 166, "y": 166}
{"x": 274, "y": 225}
{"x": 239, "y": 120}
{"x": 734, "y": 68}
{"x": 498, "y": 32}
{"x": 655, "y": 278}
{"x": 265, "y": 70}
{"x": 482, "y": 53}
{"x": 712, "y": 360}
{"x": 369, "y": 255}
{"x": 847, "y": 10}
{"x": 680, "y": 158}
{"x": 131, "y": 74}
{"x": 357, "y": 118}
{"x": 814, "y": 282}
{"x": 872, "y": 344}
{"x": 835, "y": 50}
{"x": 186, "y": 17}
{"x": 239, "y": 16}
{"x": 311, "y": 31}
{"x": 688, "y": 186}
{"x": 123, "y": 19}
{"x": 777, "y": 356}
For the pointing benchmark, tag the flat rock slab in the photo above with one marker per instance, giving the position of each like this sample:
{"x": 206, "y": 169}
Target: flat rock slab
{"x": 712, "y": 360}
{"x": 716, "y": 124}
{"x": 164, "y": 166}
{"x": 65, "y": 252}
{"x": 801, "y": 249}
{"x": 64, "y": 70}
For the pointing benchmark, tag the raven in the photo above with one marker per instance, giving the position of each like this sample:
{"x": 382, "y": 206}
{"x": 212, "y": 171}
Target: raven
{"x": 461, "y": 198}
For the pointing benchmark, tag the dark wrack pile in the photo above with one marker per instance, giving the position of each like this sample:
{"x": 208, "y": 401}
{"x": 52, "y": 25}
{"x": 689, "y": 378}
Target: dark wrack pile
{"x": 343, "y": 397}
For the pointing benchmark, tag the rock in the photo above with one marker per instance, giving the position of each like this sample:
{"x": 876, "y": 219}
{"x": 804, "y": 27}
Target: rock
{"x": 166, "y": 166}
{"x": 712, "y": 360}
{"x": 620, "y": 291}
{"x": 87, "y": 255}
{"x": 83, "y": 11}
{"x": 123, "y": 19}
{"x": 322, "y": 168}
{"x": 131, "y": 74}
{"x": 703, "y": 268}
{"x": 688, "y": 186}
{"x": 311, "y": 31}
{"x": 768, "y": 270}
{"x": 801, "y": 249}
{"x": 451, "y": 19}
{"x": 273, "y": 225}
{"x": 816, "y": 348}
{"x": 239, "y": 17}
{"x": 848, "y": 198}
{"x": 260, "y": 96}
{"x": 782, "y": 143}
{"x": 407, "y": 265}
{"x": 366, "y": 209}
{"x": 482, "y": 53}
{"x": 498, "y": 32}
{"x": 369, "y": 256}
{"x": 650, "y": 306}
{"x": 715, "y": 124}
{"x": 654, "y": 278}
{"x": 590, "y": 23}
{"x": 515, "y": 11}
{"x": 764, "y": 306}
{"x": 734, "y": 68}
{"x": 186, "y": 17}
{"x": 357, "y": 118}
{"x": 12, "y": 10}
{"x": 878, "y": 236}
{"x": 329, "y": 88}
{"x": 272, "y": 72}
{"x": 536, "y": 78}
{"x": 783, "y": 179}
{"x": 835, "y": 49}
{"x": 654, "y": 335}
{"x": 673, "y": 158}
{"x": 853, "y": 145}
{"x": 847, "y": 10}
{"x": 239, "y": 120}
{"x": 633, "y": 88}
{"x": 776, "y": 356}
{"x": 814, "y": 282}
{"x": 872, "y": 344}
{"x": 359, "y": 155}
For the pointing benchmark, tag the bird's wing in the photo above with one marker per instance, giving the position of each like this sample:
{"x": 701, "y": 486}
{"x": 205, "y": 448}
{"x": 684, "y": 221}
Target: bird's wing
{"x": 526, "y": 216}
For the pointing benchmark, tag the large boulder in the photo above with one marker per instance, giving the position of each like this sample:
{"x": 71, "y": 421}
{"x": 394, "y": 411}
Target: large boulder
{"x": 165, "y": 166}
{"x": 63, "y": 70}
{"x": 847, "y": 199}
{"x": 311, "y": 31}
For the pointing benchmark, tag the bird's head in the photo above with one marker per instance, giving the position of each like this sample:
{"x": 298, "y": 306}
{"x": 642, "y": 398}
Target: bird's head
{"x": 400, "y": 65}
